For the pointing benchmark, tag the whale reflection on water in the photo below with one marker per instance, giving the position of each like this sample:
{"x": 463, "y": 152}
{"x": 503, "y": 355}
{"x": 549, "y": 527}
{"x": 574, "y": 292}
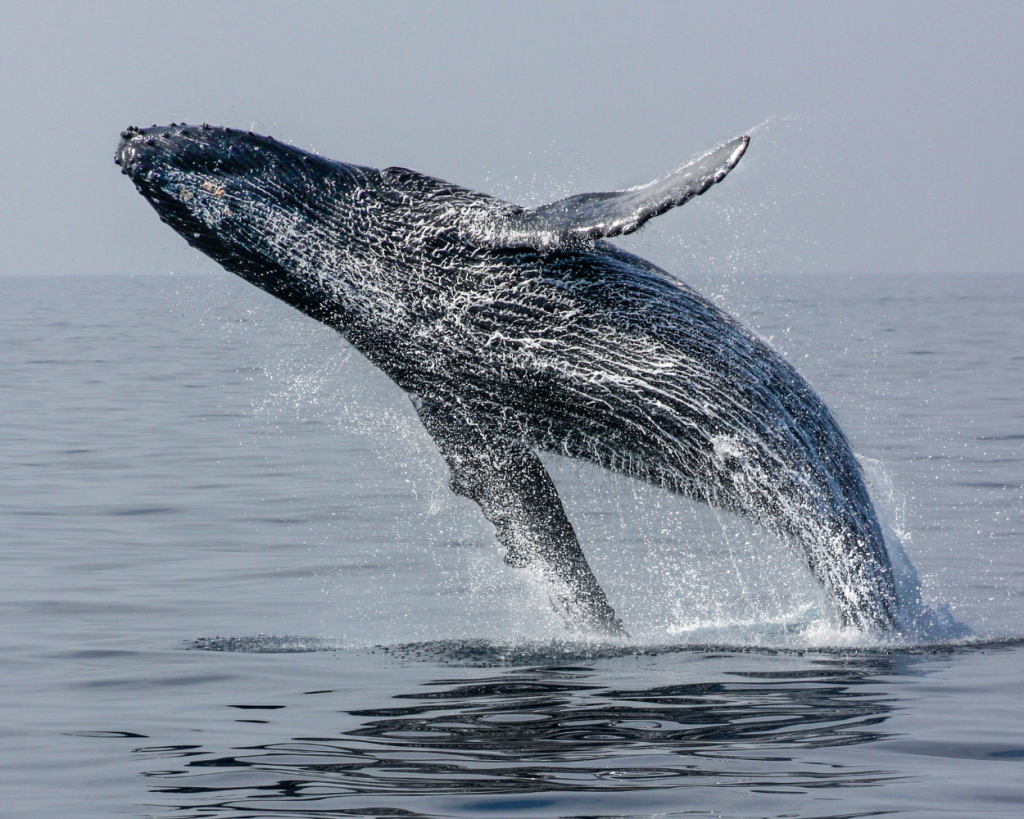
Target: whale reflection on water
{"x": 520, "y": 733}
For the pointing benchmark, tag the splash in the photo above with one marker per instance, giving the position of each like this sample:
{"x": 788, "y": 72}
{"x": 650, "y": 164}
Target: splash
{"x": 918, "y": 622}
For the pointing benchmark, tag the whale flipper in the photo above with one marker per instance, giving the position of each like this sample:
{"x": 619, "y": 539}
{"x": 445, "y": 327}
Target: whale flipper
{"x": 517, "y": 495}
{"x": 603, "y": 215}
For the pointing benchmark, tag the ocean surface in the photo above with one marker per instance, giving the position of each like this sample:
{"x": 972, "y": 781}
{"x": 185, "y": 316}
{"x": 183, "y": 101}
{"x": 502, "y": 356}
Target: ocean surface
{"x": 234, "y": 583}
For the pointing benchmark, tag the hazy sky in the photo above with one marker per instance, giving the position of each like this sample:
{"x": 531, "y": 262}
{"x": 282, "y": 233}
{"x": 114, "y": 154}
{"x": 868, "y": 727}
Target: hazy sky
{"x": 888, "y": 136}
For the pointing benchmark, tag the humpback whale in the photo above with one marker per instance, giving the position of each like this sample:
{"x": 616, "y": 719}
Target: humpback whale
{"x": 517, "y": 331}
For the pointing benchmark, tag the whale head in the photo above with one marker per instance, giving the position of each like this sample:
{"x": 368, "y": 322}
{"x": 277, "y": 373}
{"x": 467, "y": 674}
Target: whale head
{"x": 265, "y": 210}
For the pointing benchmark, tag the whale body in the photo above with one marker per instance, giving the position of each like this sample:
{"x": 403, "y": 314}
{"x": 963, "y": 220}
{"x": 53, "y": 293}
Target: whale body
{"x": 516, "y": 331}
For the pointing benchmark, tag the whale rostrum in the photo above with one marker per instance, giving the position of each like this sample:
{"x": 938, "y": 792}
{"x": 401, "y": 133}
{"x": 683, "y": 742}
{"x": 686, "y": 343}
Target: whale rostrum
{"x": 519, "y": 331}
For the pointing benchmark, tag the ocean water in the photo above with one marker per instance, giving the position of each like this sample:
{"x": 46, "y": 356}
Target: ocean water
{"x": 234, "y": 583}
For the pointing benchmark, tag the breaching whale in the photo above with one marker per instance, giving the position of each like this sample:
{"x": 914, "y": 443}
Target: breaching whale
{"x": 517, "y": 331}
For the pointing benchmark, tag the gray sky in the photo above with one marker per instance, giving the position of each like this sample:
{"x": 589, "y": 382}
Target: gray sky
{"x": 889, "y": 143}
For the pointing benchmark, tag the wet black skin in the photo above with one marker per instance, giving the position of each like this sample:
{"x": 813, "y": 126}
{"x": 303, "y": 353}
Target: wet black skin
{"x": 508, "y": 349}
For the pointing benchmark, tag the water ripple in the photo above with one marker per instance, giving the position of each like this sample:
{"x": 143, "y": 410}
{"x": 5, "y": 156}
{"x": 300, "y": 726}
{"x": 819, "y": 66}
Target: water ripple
{"x": 537, "y": 730}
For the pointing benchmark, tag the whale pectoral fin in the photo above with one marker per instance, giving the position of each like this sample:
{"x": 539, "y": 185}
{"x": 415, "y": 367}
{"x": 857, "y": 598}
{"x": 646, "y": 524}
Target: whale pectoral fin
{"x": 603, "y": 215}
{"x": 512, "y": 487}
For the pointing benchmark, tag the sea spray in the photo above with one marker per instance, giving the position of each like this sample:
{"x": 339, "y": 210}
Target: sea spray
{"x": 918, "y": 622}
